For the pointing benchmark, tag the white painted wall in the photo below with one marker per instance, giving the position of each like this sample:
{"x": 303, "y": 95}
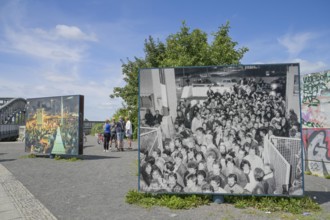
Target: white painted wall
{"x": 156, "y": 90}
{"x": 145, "y": 82}
{"x": 171, "y": 92}
{"x": 292, "y": 99}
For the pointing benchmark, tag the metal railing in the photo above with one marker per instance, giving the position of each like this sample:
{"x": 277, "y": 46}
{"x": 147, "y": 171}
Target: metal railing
{"x": 281, "y": 166}
{"x": 291, "y": 150}
{"x": 8, "y": 131}
{"x": 151, "y": 138}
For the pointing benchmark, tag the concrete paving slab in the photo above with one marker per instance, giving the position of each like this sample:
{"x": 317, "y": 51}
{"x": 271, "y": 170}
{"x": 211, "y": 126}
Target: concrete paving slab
{"x": 95, "y": 187}
{"x": 16, "y": 202}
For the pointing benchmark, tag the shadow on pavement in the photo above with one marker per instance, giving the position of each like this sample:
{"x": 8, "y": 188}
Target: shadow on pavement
{"x": 319, "y": 197}
{"x": 96, "y": 157}
{"x": 89, "y": 145}
{"x": 6, "y": 160}
{"x": 125, "y": 149}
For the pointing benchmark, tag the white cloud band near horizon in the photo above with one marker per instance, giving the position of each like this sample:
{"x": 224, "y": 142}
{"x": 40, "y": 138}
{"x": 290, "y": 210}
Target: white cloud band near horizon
{"x": 296, "y": 43}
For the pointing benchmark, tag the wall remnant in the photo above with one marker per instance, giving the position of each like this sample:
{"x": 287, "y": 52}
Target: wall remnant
{"x": 315, "y": 112}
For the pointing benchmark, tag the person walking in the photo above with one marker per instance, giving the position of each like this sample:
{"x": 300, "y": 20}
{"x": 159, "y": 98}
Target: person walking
{"x": 120, "y": 130}
{"x": 106, "y": 135}
{"x": 128, "y": 128}
{"x": 113, "y": 136}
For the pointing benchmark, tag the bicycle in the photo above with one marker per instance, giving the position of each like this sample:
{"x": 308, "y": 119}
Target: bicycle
{"x": 100, "y": 138}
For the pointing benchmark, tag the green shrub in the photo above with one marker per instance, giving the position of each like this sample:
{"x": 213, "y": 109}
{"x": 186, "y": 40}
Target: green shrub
{"x": 97, "y": 128}
{"x": 295, "y": 205}
{"x": 308, "y": 172}
{"x": 69, "y": 159}
{"x": 29, "y": 156}
{"x": 274, "y": 204}
{"x": 148, "y": 200}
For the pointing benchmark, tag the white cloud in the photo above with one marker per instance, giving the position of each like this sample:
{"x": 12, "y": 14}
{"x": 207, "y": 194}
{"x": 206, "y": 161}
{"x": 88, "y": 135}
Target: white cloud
{"x": 74, "y": 33}
{"x": 60, "y": 73}
{"x": 62, "y": 42}
{"x": 261, "y": 48}
{"x": 123, "y": 37}
{"x": 112, "y": 104}
{"x": 295, "y": 43}
{"x": 41, "y": 44}
{"x": 307, "y": 66}
{"x": 59, "y": 78}
{"x": 309, "y": 49}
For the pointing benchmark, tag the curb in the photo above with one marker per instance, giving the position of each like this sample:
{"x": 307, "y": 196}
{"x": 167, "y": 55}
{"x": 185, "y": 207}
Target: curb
{"x": 17, "y": 202}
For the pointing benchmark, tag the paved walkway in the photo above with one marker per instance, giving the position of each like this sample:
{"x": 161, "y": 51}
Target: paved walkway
{"x": 16, "y": 202}
{"x": 7, "y": 208}
{"x": 95, "y": 188}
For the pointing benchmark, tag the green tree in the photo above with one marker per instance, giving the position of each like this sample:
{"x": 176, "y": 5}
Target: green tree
{"x": 222, "y": 49}
{"x": 184, "y": 48}
{"x": 129, "y": 93}
{"x": 97, "y": 128}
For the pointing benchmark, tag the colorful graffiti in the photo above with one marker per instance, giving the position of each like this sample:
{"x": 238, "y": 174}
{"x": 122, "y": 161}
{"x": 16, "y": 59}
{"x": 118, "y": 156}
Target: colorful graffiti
{"x": 54, "y": 125}
{"x": 317, "y": 150}
{"x": 316, "y": 100}
{"x": 315, "y": 114}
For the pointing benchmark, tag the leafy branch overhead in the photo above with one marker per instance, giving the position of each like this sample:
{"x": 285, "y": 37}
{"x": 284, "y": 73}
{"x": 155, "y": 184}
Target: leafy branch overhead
{"x": 184, "y": 48}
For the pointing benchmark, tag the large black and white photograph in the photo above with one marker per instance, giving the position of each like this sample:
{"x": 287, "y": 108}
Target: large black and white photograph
{"x": 220, "y": 130}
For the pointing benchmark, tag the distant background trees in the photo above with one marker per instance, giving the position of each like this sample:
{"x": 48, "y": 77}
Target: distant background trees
{"x": 184, "y": 48}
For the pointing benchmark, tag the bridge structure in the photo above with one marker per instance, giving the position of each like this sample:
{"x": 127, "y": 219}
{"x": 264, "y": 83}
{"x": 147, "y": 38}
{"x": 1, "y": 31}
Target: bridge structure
{"x": 12, "y": 115}
{"x": 89, "y": 124}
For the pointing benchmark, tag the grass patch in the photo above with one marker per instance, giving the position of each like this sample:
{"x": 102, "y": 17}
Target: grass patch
{"x": 28, "y": 156}
{"x": 327, "y": 176}
{"x": 148, "y": 200}
{"x": 271, "y": 204}
{"x": 275, "y": 204}
{"x": 69, "y": 159}
{"x": 308, "y": 172}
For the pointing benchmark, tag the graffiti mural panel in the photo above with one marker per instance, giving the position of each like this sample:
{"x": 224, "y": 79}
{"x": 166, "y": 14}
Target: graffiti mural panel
{"x": 316, "y": 100}
{"x": 54, "y": 125}
{"x": 317, "y": 150}
{"x": 220, "y": 130}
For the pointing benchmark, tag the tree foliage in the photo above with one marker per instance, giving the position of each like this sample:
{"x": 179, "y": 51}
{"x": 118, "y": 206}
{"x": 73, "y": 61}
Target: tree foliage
{"x": 184, "y": 48}
{"x": 97, "y": 128}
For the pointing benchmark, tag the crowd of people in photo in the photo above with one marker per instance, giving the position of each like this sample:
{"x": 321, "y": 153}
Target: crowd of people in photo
{"x": 152, "y": 120}
{"x": 218, "y": 145}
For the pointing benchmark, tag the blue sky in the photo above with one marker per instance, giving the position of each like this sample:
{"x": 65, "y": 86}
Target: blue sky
{"x": 60, "y": 47}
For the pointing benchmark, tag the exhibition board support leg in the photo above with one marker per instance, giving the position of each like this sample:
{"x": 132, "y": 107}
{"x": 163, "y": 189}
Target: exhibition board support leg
{"x": 218, "y": 199}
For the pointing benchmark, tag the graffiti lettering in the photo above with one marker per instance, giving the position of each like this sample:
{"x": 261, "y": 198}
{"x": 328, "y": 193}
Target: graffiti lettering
{"x": 318, "y": 142}
{"x": 310, "y": 124}
{"x": 319, "y": 77}
{"x": 318, "y": 152}
{"x": 313, "y": 85}
{"x": 314, "y": 166}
